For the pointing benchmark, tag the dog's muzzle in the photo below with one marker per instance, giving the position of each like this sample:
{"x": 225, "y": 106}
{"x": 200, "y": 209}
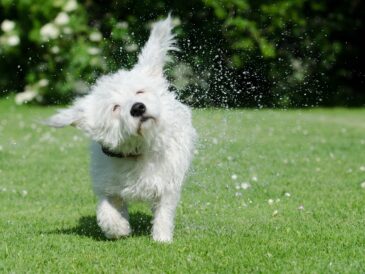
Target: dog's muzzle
{"x": 138, "y": 109}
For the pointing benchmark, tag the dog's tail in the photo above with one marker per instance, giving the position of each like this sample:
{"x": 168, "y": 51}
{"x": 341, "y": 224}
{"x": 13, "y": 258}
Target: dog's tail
{"x": 154, "y": 53}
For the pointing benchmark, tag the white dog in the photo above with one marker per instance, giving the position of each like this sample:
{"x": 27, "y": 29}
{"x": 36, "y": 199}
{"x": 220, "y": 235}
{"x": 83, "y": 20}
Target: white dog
{"x": 142, "y": 136}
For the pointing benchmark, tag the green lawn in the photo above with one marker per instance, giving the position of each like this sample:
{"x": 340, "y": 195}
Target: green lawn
{"x": 304, "y": 211}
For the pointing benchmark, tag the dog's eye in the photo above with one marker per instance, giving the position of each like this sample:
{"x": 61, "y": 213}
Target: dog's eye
{"x": 140, "y": 92}
{"x": 116, "y": 108}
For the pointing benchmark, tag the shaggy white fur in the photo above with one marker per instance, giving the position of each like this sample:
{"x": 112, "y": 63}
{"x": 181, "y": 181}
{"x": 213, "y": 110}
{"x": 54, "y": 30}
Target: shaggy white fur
{"x": 142, "y": 136}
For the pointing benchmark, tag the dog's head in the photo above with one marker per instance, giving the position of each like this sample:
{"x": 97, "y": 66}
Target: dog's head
{"x": 125, "y": 109}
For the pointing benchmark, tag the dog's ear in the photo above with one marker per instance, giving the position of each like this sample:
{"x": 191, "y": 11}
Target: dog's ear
{"x": 154, "y": 53}
{"x": 72, "y": 116}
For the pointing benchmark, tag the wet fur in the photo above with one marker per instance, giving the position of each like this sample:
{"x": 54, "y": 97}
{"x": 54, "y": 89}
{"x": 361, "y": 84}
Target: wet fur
{"x": 162, "y": 145}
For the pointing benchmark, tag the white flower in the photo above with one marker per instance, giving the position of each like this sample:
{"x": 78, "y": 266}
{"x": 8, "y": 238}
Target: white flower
{"x": 76, "y": 138}
{"x": 43, "y": 83}
{"x": 93, "y": 51}
{"x": 49, "y": 31}
{"x": 7, "y": 25}
{"x": 270, "y": 201}
{"x": 62, "y": 19}
{"x": 301, "y": 207}
{"x": 254, "y": 178}
{"x": 363, "y": 185}
{"x": 55, "y": 49}
{"x": 67, "y": 30}
{"x": 13, "y": 40}
{"x": 122, "y": 25}
{"x": 275, "y": 213}
{"x": 287, "y": 194}
{"x": 245, "y": 186}
{"x": 25, "y": 96}
{"x": 362, "y": 168}
{"x": 71, "y": 5}
{"x": 234, "y": 177}
{"x": 176, "y": 21}
{"x": 134, "y": 47}
{"x": 80, "y": 87}
{"x": 95, "y": 36}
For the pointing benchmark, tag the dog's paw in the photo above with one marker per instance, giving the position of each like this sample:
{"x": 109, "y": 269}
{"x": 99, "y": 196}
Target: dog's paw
{"x": 114, "y": 228}
{"x": 162, "y": 239}
{"x": 161, "y": 236}
{"x": 117, "y": 232}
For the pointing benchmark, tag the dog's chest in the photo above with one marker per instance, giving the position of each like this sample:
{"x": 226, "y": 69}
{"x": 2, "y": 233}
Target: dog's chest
{"x": 136, "y": 183}
{"x": 132, "y": 179}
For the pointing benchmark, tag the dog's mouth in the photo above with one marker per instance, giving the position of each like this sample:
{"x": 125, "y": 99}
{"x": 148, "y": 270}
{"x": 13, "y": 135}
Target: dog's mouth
{"x": 146, "y": 118}
{"x": 143, "y": 120}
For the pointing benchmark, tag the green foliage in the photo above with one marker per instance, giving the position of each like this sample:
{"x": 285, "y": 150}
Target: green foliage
{"x": 56, "y": 54}
{"x": 297, "y": 42}
{"x": 234, "y": 52}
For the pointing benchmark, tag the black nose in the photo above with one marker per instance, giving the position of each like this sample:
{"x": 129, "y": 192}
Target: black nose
{"x": 138, "y": 109}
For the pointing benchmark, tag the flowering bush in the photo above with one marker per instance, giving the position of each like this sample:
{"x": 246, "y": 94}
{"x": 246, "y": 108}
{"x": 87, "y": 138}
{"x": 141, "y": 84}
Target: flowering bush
{"x": 55, "y": 48}
{"x": 234, "y": 52}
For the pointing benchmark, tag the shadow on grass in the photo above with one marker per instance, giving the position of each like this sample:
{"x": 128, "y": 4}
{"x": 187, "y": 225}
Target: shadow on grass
{"x": 87, "y": 227}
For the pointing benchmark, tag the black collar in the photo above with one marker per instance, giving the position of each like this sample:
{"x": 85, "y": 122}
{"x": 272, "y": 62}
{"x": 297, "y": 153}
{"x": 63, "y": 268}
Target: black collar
{"x": 109, "y": 153}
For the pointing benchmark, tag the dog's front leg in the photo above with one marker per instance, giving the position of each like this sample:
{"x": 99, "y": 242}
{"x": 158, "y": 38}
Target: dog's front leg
{"x": 163, "y": 220}
{"x": 112, "y": 217}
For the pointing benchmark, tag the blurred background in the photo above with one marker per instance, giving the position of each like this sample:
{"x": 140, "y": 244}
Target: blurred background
{"x": 234, "y": 53}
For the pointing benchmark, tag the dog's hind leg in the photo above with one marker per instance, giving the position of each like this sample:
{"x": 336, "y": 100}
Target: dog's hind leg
{"x": 164, "y": 214}
{"x": 112, "y": 217}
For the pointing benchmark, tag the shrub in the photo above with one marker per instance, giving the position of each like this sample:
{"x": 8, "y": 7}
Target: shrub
{"x": 234, "y": 52}
{"x": 58, "y": 53}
